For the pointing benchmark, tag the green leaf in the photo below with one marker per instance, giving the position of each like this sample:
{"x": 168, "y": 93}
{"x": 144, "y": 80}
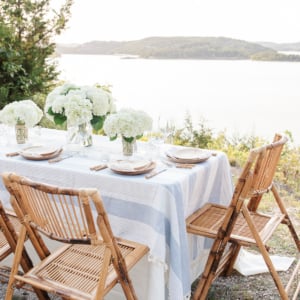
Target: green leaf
{"x": 112, "y": 138}
{"x": 50, "y": 111}
{"x": 128, "y": 139}
{"x": 59, "y": 119}
{"x": 97, "y": 122}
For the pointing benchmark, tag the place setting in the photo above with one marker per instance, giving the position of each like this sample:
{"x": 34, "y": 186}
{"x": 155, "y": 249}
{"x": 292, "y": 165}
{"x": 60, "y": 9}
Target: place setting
{"x": 51, "y": 153}
{"x": 131, "y": 166}
{"x": 38, "y": 152}
{"x": 187, "y": 157}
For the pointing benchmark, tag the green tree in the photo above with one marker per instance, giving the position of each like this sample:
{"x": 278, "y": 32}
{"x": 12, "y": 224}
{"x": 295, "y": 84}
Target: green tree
{"x": 27, "y": 31}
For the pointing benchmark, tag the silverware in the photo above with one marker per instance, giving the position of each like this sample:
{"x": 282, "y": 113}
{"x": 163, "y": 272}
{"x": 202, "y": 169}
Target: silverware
{"x": 185, "y": 166}
{"x": 178, "y": 165}
{"x": 11, "y": 154}
{"x": 154, "y": 173}
{"x": 60, "y": 158}
{"x": 98, "y": 167}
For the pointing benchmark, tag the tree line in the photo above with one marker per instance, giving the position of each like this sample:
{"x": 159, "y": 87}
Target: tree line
{"x": 181, "y": 48}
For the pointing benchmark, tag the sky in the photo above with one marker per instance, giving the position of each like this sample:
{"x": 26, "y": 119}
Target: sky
{"x": 124, "y": 20}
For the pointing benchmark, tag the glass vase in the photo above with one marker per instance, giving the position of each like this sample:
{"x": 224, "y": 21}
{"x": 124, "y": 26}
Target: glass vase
{"x": 128, "y": 147}
{"x": 80, "y": 134}
{"x": 21, "y": 133}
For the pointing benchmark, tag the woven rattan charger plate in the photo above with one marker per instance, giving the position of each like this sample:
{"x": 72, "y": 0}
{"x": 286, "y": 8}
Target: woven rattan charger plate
{"x": 40, "y": 152}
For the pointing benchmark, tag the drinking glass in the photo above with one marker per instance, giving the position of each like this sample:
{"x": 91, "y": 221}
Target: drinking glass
{"x": 4, "y": 135}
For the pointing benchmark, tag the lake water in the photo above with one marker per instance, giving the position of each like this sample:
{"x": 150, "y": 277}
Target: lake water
{"x": 241, "y": 97}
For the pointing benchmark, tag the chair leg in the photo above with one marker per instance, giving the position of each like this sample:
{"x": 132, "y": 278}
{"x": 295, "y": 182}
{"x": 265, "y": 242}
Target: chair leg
{"x": 235, "y": 253}
{"x": 16, "y": 263}
{"x": 265, "y": 255}
{"x": 287, "y": 219}
{"x": 18, "y": 258}
{"x": 126, "y": 282}
{"x": 210, "y": 270}
{"x": 12, "y": 238}
{"x": 203, "y": 287}
{"x": 293, "y": 277}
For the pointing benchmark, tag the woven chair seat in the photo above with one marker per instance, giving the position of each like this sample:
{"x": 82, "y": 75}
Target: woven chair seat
{"x": 210, "y": 217}
{"x": 77, "y": 267}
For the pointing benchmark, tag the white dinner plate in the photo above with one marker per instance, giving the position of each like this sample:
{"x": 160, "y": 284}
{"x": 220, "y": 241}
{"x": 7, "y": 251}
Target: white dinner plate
{"x": 188, "y": 155}
{"x": 131, "y": 167}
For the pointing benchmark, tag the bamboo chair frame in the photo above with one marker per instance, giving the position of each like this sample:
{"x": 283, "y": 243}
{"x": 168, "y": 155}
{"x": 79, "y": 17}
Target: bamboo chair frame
{"x": 246, "y": 227}
{"x": 264, "y": 183}
{"x": 91, "y": 261}
{"x": 9, "y": 225}
{"x": 10, "y": 228}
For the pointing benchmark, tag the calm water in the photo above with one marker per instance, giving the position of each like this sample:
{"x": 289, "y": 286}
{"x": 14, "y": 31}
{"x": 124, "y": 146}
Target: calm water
{"x": 241, "y": 97}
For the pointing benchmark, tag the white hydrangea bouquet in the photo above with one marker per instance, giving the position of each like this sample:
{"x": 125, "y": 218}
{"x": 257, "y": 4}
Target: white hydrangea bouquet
{"x": 129, "y": 123}
{"x": 79, "y": 104}
{"x": 24, "y": 112}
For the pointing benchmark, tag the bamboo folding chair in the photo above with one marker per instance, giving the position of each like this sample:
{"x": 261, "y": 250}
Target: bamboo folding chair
{"x": 90, "y": 262}
{"x": 264, "y": 184}
{"x": 244, "y": 227}
{"x": 10, "y": 229}
{"x": 10, "y": 226}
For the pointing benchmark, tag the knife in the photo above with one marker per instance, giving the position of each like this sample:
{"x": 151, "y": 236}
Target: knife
{"x": 60, "y": 158}
{"x": 154, "y": 173}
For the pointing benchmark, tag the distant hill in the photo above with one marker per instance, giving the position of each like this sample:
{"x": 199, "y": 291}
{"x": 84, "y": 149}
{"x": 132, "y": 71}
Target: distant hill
{"x": 282, "y": 46}
{"x": 181, "y": 48}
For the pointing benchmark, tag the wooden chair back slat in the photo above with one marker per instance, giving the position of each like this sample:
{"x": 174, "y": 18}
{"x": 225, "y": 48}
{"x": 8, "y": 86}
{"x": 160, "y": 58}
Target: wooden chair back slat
{"x": 59, "y": 216}
{"x": 265, "y": 169}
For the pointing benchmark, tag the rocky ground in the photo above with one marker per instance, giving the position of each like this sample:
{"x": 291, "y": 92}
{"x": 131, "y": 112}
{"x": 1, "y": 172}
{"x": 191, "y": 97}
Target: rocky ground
{"x": 234, "y": 287}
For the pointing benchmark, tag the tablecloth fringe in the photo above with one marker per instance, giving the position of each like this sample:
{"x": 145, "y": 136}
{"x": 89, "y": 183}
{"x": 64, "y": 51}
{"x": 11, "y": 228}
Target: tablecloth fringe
{"x": 156, "y": 260}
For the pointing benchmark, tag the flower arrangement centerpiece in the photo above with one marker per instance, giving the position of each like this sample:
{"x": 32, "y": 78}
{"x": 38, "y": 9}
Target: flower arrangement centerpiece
{"x": 130, "y": 124}
{"x": 80, "y": 107}
{"x": 23, "y": 115}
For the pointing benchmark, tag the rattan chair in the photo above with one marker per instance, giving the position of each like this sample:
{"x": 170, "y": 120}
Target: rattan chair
{"x": 264, "y": 184}
{"x": 90, "y": 262}
{"x": 246, "y": 227}
{"x": 10, "y": 228}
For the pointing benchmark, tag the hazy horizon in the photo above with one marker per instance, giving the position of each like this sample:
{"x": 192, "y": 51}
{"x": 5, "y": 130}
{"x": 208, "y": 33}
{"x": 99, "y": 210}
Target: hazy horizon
{"x": 174, "y": 36}
{"x": 275, "y": 21}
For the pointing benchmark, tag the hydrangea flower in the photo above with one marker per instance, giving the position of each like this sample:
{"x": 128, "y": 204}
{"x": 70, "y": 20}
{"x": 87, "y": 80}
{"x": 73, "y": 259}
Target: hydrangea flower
{"x": 21, "y": 112}
{"x": 129, "y": 123}
{"x": 79, "y": 104}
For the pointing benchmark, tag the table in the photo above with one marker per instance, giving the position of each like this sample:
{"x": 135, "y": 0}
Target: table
{"x": 150, "y": 211}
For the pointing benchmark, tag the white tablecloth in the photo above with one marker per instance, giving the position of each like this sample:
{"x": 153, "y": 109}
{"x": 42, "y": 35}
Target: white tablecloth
{"x": 150, "y": 211}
